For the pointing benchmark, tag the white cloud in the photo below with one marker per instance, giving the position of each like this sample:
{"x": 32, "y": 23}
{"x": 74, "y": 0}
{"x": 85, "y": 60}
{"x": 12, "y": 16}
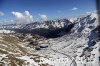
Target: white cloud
{"x": 4, "y": 22}
{"x": 74, "y": 8}
{"x": 43, "y": 17}
{"x": 88, "y": 12}
{"x": 23, "y": 17}
{"x": 1, "y": 13}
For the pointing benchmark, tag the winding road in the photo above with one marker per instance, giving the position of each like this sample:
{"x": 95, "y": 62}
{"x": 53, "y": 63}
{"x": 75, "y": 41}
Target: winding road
{"x": 73, "y": 63}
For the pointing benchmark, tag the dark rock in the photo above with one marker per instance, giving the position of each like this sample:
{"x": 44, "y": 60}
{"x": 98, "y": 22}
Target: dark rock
{"x": 43, "y": 46}
{"x": 33, "y": 43}
{"x": 37, "y": 48}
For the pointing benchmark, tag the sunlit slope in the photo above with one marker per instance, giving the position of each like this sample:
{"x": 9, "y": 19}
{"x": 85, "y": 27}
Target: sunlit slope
{"x": 10, "y": 44}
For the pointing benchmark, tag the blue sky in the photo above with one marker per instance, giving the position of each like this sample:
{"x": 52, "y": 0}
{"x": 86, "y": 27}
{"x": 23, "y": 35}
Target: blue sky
{"x": 51, "y": 8}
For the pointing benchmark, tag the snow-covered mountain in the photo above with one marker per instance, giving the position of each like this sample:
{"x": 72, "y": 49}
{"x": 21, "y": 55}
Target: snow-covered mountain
{"x": 76, "y": 47}
{"x": 11, "y": 26}
{"x": 58, "y": 23}
{"x": 81, "y": 45}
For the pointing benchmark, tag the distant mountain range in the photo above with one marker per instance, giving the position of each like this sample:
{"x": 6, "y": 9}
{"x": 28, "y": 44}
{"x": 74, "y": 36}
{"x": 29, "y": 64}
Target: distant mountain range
{"x": 55, "y": 28}
{"x": 59, "y": 23}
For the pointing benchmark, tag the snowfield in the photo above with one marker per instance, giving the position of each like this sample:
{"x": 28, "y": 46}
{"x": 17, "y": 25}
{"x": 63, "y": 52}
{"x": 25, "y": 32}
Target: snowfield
{"x": 6, "y": 31}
